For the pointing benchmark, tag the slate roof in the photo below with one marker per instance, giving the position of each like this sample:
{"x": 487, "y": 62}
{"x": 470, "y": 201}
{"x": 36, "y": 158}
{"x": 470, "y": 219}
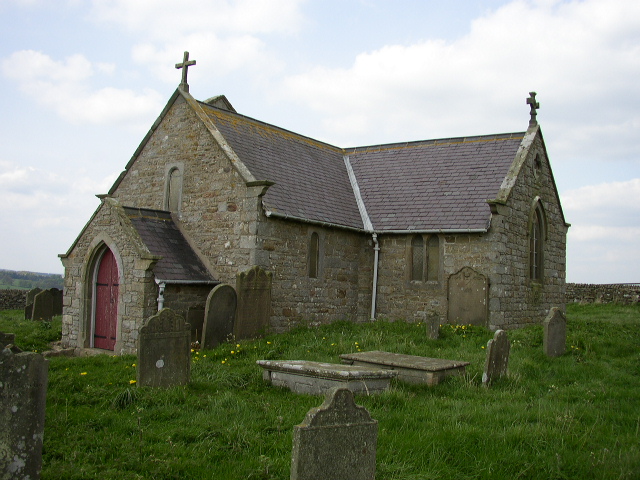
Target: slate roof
{"x": 434, "y": 185}
{"x": 179, "y": 263}
{"x": 311, "y": 180}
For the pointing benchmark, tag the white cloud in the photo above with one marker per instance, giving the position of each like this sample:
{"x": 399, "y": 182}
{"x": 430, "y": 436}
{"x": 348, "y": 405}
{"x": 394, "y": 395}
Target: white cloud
{"x": 44, "y": 211}
{"x": 613, "y": 195}
{"x": 65, "y": 87}
{"x": 177, "y": 18}
{"x": 581, "y": 57}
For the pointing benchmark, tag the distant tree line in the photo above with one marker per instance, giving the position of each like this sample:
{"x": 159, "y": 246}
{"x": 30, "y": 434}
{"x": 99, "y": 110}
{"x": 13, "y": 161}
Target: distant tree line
{"x": 10, "y": 279}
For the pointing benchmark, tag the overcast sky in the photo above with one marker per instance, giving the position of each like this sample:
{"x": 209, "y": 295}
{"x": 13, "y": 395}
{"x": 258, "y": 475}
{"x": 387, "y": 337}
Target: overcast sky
{"x": 82, "y": 82}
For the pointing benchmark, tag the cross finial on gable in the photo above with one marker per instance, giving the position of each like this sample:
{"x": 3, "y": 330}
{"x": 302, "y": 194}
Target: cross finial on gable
{"x": 534, "y": 107}
{"x": 185, "y": 66}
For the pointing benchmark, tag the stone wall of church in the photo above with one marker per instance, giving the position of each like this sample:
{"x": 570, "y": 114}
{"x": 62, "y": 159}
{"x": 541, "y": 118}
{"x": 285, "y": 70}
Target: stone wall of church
{"x": 414, "y": 301}
{"x": 342, "y": 289}
{"x": 216, "y": 212}
{"x": 516, "y": 300}
{"x": 137, "y": 289}
{"x": 502, "y": 255}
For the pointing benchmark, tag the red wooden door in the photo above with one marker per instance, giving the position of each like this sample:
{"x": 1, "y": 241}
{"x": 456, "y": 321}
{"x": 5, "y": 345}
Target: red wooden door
{"x": 106, "y": 303}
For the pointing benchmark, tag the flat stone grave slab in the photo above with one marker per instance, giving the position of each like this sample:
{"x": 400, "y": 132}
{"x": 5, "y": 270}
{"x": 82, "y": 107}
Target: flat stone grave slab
{"x": 410, "y": 368}
{"x": 315, "y": 378}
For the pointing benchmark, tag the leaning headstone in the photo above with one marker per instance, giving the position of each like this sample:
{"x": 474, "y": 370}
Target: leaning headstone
{"x": 335, "y": 441}
{"x": 195, "y": 318}
{"x": 164, "y": 350}
{"x": 56, "y": 295}
{"x": 433, "y": 326}
{"x": 6, "y": 339}
{"x": 28, "y": 309}
{"x": 43, "y": 306}
{"x": 555, "y": 333}
{"x": 468, "y": 298}
{"x": 219, "y": 316}
{"x": 23, "y": 394}
{"x": 497, "y": 361}
{"x": 254, "y": 302}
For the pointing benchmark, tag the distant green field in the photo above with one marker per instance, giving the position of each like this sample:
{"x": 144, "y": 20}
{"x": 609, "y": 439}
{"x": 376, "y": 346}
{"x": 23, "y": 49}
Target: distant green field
{"x": 572, "y": 417}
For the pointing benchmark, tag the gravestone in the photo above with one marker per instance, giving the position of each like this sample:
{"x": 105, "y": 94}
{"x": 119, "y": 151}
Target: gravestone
{"x": 335, "y": 441}
{"x": 28, "y": 309}
{"x": 433, "y": 326}
{"x": 43, "y": 306}
{"x": 56, "y": 294}
{"x": 254, "y": 303}
{"x": 497, "y": 361}
{"x": 6, "y": 339}
{"x": 555, "y": 333}
{"x": 219, "y": 316}
{"x": 164, "y": 350}
{"x": 468, "y": 298}
{"x": 23, "y": 393}
{"x": 195, "y": 318}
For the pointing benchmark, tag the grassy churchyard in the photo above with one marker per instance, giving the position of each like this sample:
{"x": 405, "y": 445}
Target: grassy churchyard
{"x": 572, "y": 417}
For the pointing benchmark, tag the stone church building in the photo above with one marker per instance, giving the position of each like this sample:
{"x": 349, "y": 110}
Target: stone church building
{"x": 465, "y": 230}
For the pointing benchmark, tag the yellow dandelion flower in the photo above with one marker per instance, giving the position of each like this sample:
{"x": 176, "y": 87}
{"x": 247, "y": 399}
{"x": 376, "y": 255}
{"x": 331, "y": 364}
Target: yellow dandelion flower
{"x": 133, "y": 365}
{"x": 131, "y": 382}
{"x": 238, "y": 345}
{"x": 268, "y": 343}
{"x": 204, "y": 355}
{"x": 192, "y": 350}
{"x": 224, "y": 361}
{"x": 83, "y": 373}
{"x": 232, "y": 352}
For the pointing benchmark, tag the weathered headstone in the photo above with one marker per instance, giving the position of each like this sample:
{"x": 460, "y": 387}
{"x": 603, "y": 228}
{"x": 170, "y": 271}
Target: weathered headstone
{"x": 497, "y": 361}
{"x": 43, "y": 306}
{"x": 254, "y": 302}
{"x": 56, "y": 295}
{"x": 164, "y": 350}
{"x": 468, "y": 298}
{"x": 195, "y": 318}
{"x": 219, "y": 316}
{"x": 335, "y": 441}
{"x": 555, "y": 333}
{"x": 433, "y": 326}
{"x": 23, "y": 394}
{"x": 28, "y": 309}
{"x": 6, "y": 339}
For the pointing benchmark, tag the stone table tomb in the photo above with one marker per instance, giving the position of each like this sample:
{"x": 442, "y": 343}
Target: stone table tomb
{"x": 316, "y": 378}
{"x": 410, "y": 368}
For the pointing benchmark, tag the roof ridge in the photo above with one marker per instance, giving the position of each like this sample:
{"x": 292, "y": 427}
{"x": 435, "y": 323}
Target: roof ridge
{"x": 436, "y": 142}
{"x": 272, "y": 126}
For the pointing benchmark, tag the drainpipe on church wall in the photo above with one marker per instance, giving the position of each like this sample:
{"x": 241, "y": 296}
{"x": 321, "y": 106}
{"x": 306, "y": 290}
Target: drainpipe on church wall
{"x": 376, "y": 252}
{"x": 161, "y": 295}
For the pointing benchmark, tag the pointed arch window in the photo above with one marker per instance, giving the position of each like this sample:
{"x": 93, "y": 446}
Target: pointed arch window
{"x": 537, "y": 236}
{"x": 173, "y": 193}
{"x": 314, "y": 255}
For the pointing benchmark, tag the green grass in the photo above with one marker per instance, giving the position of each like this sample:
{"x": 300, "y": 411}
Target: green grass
{"x": 30, "y": 336}
{"x": 572, "y": 417}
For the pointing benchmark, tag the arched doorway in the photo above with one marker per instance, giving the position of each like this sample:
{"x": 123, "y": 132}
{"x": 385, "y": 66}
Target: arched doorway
{"x": 106, "y": 302}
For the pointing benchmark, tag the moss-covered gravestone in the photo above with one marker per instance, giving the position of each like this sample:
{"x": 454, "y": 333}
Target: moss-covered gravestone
{"x": 254, "y": 302}
{"x": 164, "y": 350}
{"x": 219, "y": 316}
{"x": 336, "y": 441}
{"x": 498, "y": 350}
{"x": 23, "y": 393}
{"x": 555, "y": 333}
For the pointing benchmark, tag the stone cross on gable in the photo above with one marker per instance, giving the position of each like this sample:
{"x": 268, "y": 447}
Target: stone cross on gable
{"x": 534, "y": 106}
{"x": 185, "y": 66}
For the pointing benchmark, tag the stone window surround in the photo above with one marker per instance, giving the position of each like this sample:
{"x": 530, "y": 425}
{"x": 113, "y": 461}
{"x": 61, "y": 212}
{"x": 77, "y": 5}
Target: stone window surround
{"x": 319, "y": 253}
{"x": 537, "y": 221}
{"x": 425, "y": 260}
{"x": 169, "y": 168}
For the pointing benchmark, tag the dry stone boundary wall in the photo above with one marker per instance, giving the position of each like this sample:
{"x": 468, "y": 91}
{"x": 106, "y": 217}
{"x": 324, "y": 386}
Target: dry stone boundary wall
{"x": 13, "y": 299}
{"x": 624, "y": 293}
